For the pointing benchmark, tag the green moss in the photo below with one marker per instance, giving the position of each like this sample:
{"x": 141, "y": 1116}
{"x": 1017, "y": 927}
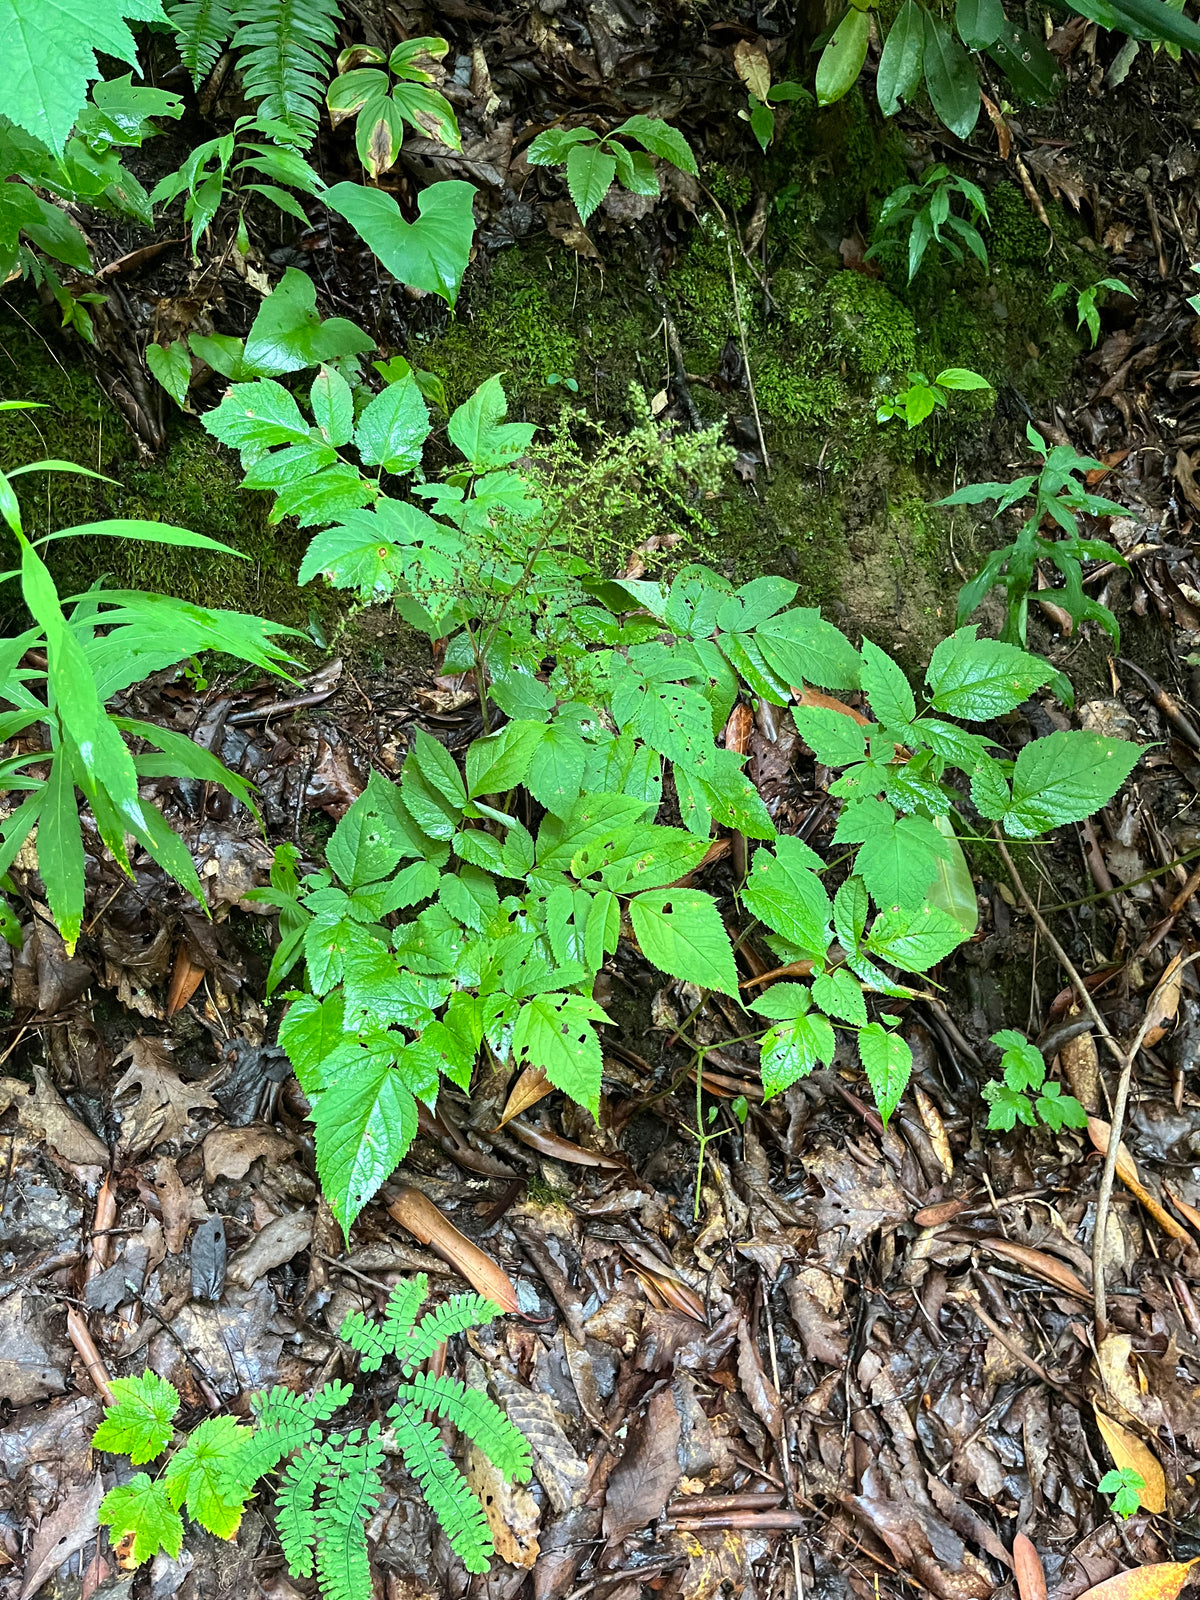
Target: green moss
{"x": 869, "y": 326}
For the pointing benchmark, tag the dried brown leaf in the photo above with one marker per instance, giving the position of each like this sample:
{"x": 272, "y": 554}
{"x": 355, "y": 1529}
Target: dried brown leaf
{"x": 1027, "y": 1565}
{"x": 1127, "y": 1450}
{"x": 412, "y": 1210}
{"x": 533, "y": 1085}
{"x": 644, "y": 1479}
{"x": 163, "y": 1110}
{"x": 1163, "y": 1581}
{"x": 752, "y": 67}
{"x": 1127, "y": 1171}
{"x": 1041, "y": 1265}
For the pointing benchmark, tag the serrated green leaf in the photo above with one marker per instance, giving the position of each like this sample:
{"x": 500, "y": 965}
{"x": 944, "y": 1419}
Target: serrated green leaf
{"x": 1007, "y": 1107}
{"x": 590, "y": 172}
{"x": 196, "y": 1473}
{"x": 840, "y": 994}
{"x": 139, "y": 1423}
{"x": 1058, "y": 1110}
{"x": 791, "y": 1050}
{"x": 887, "y": 1061}
{"x": 391, "y": 432}
{"x": 500, "y": 761}
{"x": 850, "y": 910}
{"x": 310, "y": 1032}
{"x": 886, "y": 687}
{"x": 834, "y": 739}
{"x": 681, "y": 932}
{"x": 142, "y": 1507}
{"x": 172, "y": 366}
{"x": 898, "y": 856}
{"x": 1065, "y": 777}
{"x": 332, "y": 404}
{"x": 782, "y": 1001}
{"x": 783, "y": 889}
{"x": 557, "y": 767}
{"x": 642, "y": 857}
{"x": 364, "y": 1125}
{"x": 978, "y": 679}
{"x": 555, "y": 1032}
{"x": 801, "y": 647}
{"x": 914, "y": 939}
{"x": 1022, "y": 1063}
{"x": 288, "y": 333}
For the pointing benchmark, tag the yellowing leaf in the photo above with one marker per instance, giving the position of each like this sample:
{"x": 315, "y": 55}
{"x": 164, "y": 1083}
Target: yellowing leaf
{"x": 1162, "y": 1581}
{"x": 1127, "y": 1450}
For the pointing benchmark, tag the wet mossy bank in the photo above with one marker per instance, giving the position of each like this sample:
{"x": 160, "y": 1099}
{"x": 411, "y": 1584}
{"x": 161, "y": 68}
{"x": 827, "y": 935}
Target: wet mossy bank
{"x": 845, "y": 507}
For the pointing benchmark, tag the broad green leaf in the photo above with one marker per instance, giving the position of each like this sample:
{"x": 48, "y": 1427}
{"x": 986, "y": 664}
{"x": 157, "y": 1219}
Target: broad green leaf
{"x": 782, "y": 1001}
{"x": 914, "y": 939}
{"x": 555, "y": 1032}
{"x": 978, "y": 22}
{"x": 391, "y": 432}
{"x": 49, "y": 56}
{"x": 196, "y": 1471}
{"x": 978, "y": 679}
{"x": 139, "y": 1422}
{"x": 500, "y": 761}
{"x": 886, "y": 687}
{"x": 590, "y": 172}
{"x": 364, "y": 1125}
{"x": 850, "y": 910}
{"x": 143, "y": 1508}
{"x": 288, "y": 334}
{"x": 255, "y": 416}
{"x": 642, "y": 857}
{"x": 887, "y": 1061}
{"x": 720, "y": 790}
{"x": 842, "y": 58}
{"x": 791, "y": 1050}
{"x": 393, "y": 546}
{"x": 961, "y": 379}
{"x": 1058, "y": 1110}
{"x": 332, "y": 402}
{"x": 990, "y": 790}
{"x": 834, "y": 739}
{"x": 801, "y": 647}
{"x": 840, "y": 994}
{"x": 783, "y": 889}
{"x": 363, "y": 847}
{"x": 681, "y": 932}
{"x": 951, "y": 78}
{"x": 660, "y": 139}
{"x": 672, "y": 718}
{"x": 556, "y": 770}
{"x": 586, "y": 819}
{"x": 471, "y": 896}
{"x": 550, "y": 148}
{"x": 1031, "y": 69}
{"x": 430, "y": 253}
{"x": 898, "y": 856}
{"x": 479, "y": 432}
{"x": 1022, "y": 1063}
{"x": 1065, "y": 777}
{"x": 902, "y": 60}
{"x": 172, "y": 366}
{"x": 336, "y": 492}
{"x": 437, "y": 766}
{"x": 1007, "y": 1107}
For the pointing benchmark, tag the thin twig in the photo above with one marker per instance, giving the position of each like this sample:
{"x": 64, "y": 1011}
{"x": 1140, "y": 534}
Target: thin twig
{"x": 741, "y": 327}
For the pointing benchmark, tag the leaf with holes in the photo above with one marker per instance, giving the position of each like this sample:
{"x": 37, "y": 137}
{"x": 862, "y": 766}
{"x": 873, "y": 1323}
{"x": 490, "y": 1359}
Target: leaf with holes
{"x": 681, "y": 932}
{"x": 555, "y": 1032}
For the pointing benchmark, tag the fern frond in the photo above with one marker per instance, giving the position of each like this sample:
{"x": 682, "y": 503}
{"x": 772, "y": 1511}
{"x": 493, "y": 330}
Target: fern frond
{"x": 201, "y": 28}
{"x": 296, "y": 1522}
{"x": 375, "y": 1340}
{"x": 284, "y": 50}
{"x": 455, "y": 1315}
{"x": 475, "y": 1414}
{"x": 350, "y": 1491}
{"x": 445, "y": 1489}
{"x": 285, "y": 1422}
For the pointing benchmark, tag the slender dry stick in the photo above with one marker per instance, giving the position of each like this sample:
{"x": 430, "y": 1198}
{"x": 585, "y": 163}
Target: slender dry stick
{"x": 741, "y": 327}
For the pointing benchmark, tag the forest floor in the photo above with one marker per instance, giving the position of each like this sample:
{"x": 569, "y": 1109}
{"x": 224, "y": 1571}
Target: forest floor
{"x": 827, "y": 1356}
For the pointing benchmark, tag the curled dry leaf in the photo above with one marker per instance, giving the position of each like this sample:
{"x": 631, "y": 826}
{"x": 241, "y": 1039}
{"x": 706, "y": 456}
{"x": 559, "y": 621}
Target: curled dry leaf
{"x": 1163, "y": 1581}
{"x": 1164, "y": 1002}
{"x": 554, "y": 1145}
{"x": 1027, "y": 1566}
{"x": 186, "y": 978}
{"x": 752, "y": 67}
{"x": 1127, "y": 1450}
{"x": 425, "y": 1222}
{"x": 533, "y": 1085}
{"x": 1127, "y": 1171}
{"x": 1041, "y": 1265}
{"x": 512, "y": 1512}
{"x": 826, "y": 702}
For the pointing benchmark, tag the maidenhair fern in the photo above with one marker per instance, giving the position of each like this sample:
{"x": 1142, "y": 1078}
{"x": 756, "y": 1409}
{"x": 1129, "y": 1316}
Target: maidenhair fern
{"x": 283, "y": 48}
{"x": 202, "y": 27}
{"x": 328, "y": 1490}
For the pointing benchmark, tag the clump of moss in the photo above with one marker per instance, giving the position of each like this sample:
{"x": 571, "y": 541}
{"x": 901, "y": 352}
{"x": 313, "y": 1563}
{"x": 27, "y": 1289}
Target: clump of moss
{"x": 870, "y": 327}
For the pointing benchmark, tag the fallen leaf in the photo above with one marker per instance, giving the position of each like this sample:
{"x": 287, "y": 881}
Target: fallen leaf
{"x": 1127, "y": 1450}
{"x": 1041, "y": 1265}
{"x": 231, "y": 1152}
{"x": 511, "y": 1511}
{"x": 1123, "y": 1384}
{"x": 1190, "y": 1212}
{"x": 426, "y": 1223}
{"x": 1027, "y": 1565}
{"x": 1162, "y": 1581}
{"x": 272, "y": 1246}
{"x": 643, "y": 1480}
{"x": 46, "y": 1115}
{"x": 186, "y": 978}
{"x": 164, "y": 1106}
{"x": 175, "y": 1202}
{"x": 936, "y": 1129}
{"x": 1164, "y": 1002}
{"x": 61, "y": 1534}
{"x": 547, "y": 1143}
{"x": 826, "y": 702}
{"x": 756, "y": 1386}
{"x": 752, "y": 67}
{"x": 533, "y": 1085}
{"x": 560, "y": 1470}
{"x": 1127, "y": 1171}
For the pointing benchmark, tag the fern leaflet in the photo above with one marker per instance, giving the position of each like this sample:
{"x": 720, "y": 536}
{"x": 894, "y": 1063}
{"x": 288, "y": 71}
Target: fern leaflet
{"x": 296, "y": 1522}
{"x": 350, "y": 1490}
{"x": 443, "y": 1322}
{"x": 286, "y": 1422}
{"x": 284, "y": 50}
{"x": 475, "y": 1414}
{"x": 201, "y": 28}
{"x": 444, "y": 1487}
